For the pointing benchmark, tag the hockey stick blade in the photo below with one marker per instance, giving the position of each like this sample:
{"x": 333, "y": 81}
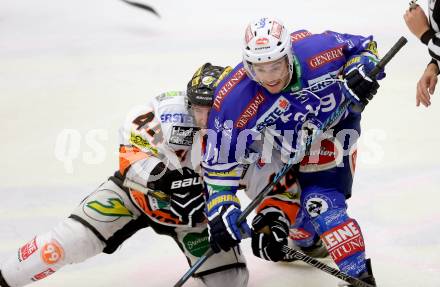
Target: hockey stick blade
{"x": 329, "y": 122}
{"x": 295, "y": 254}
{"x": 142, "y": 6}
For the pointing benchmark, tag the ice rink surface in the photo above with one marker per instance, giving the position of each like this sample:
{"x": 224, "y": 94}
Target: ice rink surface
{"x": 77, "y": 67}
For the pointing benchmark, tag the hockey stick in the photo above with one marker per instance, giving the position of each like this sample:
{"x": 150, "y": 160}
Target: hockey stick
{"x": 142, "y": 6}
{"x": 295, "y": 254}
{"x": 155, "y": 193}
{"x": 292, "y": 162}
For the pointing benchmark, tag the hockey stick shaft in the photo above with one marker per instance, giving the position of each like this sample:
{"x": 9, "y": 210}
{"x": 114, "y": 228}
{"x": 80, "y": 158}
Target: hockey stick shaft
{"x": 298, "y": 155}
{"x": 139, "y": 187}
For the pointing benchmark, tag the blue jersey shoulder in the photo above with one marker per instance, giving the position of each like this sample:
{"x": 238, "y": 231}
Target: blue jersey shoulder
{"x": 324, "y": 53}
{"x": 233, "y": 93}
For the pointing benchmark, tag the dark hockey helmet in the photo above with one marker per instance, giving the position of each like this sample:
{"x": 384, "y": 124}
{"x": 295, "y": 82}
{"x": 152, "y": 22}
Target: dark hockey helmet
{"x": 200, "y": 89}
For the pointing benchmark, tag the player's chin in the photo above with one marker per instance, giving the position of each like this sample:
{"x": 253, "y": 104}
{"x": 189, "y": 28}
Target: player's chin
{"x": 274, "y": 88}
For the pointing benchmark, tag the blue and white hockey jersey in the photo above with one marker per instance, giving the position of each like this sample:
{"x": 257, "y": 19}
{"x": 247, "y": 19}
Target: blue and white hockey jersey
{"x": 243, "y": 110}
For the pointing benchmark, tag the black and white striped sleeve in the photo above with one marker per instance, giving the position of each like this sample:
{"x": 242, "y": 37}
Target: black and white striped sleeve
{"x": 431, "y": 38}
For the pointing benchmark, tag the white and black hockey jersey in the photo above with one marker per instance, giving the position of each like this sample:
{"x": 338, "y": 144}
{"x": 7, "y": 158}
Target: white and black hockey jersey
{"x": 431, "y": 38}
{"x": 161, "y": 131}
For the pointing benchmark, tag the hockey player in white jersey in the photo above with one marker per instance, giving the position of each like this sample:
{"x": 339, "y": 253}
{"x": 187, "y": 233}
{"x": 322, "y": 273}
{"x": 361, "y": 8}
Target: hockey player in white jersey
{"x": 157, "y": 186}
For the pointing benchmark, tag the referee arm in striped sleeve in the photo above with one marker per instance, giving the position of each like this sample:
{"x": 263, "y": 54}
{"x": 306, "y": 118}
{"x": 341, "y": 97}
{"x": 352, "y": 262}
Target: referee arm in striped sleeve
{"x": 427, "y": 30}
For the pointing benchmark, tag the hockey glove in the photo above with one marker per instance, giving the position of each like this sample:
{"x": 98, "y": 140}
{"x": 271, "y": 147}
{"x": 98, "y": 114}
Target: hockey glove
{"x": 185, "y": 189}
{"x": 223, "y": 209}
{"x": 269, "y": 234}
{"x": 358, "y": 87}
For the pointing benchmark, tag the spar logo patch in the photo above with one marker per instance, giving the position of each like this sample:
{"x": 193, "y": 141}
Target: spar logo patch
{"x": 196, "y": 243}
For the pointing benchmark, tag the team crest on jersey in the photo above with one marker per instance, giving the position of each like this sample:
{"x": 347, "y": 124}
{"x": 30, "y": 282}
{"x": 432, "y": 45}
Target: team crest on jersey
{"x": 182, "y": 135}
{"x": 107, "y": 209}
{"x": 317, "y": 204}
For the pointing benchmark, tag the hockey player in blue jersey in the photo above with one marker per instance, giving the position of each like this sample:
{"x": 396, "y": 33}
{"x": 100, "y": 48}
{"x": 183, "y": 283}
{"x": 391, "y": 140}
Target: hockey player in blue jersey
{"x": 286, "y": 84}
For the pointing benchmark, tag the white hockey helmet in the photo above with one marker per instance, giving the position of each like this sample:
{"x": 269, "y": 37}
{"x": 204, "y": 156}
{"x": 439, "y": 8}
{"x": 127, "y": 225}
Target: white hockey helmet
{"x": 266, "y": 40}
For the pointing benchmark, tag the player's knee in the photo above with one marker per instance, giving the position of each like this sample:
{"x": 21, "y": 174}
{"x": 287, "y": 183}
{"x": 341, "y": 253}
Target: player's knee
{"x": 69, "y": 242}
{"x": 329, "y": 219}
{"x": 323, "y": 203}
{"x": 76, "y": 241}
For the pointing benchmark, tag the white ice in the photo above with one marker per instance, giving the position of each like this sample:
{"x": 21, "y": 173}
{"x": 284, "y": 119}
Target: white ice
{"x": 79, "y": 66}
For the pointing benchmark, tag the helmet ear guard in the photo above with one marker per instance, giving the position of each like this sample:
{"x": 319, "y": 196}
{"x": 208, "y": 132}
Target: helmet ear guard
{"x": 266, "y": 40}
{"x": 200, "y": 89}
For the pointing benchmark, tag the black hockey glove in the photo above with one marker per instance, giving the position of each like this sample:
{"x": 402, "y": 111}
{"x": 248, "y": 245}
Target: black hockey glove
{"x": 359, "y": 88}
{"x": 269, "y": 234}
{"x": 185, "y": 188}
